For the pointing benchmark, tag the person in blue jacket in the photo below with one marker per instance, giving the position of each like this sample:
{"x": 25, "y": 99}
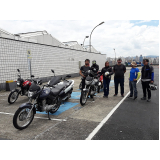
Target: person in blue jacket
{"x": 134, "y": 75}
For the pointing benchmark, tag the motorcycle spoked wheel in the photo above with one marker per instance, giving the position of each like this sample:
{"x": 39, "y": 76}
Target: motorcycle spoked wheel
{"x": 56, "y": 107}
{"x": 20, "y": 120}
{"x": 83, "y": 98}
{"x": 13, "y": 96}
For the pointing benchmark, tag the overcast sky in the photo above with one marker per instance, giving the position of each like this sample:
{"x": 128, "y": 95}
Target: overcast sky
{"x": 129, "y": 38}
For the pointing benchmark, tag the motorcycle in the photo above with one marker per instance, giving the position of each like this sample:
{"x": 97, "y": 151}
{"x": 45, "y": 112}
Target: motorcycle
{"x": 91, "y": 84}
{"x": 48, "y": 99}
{"x": 21, "y": 89}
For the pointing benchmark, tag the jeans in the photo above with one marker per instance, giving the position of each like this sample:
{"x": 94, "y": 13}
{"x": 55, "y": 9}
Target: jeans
{"x": 83, "y": 83}
{"x": 145, "y": 86}
{"x": 116, "y": 82}
{"x": 133, "y": 87}
{"x": 106, "y": 83}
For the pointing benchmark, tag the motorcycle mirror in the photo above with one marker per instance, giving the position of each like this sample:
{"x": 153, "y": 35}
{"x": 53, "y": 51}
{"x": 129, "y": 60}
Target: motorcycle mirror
{"x": 52, "y": 70}
{"x": 32, "y": 75}
{"x": 18, "y": 70}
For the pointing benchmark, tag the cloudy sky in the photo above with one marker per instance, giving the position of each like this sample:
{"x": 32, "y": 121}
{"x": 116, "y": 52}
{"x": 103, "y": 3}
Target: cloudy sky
{"x": 129, "y": 38}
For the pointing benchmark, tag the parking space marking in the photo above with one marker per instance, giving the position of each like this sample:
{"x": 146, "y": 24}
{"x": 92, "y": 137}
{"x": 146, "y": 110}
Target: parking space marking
{"x": 53, "y": 119}
{"x": 93, "y": 133}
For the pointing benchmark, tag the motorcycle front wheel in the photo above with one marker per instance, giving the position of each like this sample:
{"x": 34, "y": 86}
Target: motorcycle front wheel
{"x": 83, "y": 98}
{"x": 20, "y": 120}
{"x": 80, "y": 86}
{"x": 13, "y": 96}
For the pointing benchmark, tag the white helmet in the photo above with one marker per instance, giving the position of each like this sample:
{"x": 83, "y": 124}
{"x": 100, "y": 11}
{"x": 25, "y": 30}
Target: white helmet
{"x": 152, "y": 86}
{"x": 106, "y": 73}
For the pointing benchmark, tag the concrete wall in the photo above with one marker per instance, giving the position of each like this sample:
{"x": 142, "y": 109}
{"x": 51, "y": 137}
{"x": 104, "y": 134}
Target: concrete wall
{"x": 13, "y": 55}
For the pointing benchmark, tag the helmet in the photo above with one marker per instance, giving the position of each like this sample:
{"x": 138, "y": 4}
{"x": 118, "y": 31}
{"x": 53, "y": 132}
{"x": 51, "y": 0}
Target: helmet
{"x": 106, "y": 73}
{"x": 152, "y": 86}
{"x": 94, "y": 62}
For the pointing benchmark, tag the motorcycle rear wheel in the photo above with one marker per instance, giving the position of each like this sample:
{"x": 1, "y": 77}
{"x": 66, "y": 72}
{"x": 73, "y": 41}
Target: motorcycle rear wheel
{"x": 20, "y": 116}
{"x": 58, "y": 103}
{"x": 83, "y": 98}
{"x": 13, "y": 96}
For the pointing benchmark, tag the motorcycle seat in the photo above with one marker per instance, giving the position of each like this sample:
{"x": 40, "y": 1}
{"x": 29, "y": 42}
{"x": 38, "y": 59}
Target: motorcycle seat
{"x": 57, "y": 89}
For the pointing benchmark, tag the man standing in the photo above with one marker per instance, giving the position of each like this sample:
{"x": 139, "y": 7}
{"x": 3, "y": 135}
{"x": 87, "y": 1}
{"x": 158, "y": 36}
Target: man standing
{"x": 83, "y": 70}
{"x": 95, "y": 67}
{"x": 107, "y": 72}
{"x": 147, "y": 77}
{"x": 134, "y": 75}
{"x": 119, "y": 70}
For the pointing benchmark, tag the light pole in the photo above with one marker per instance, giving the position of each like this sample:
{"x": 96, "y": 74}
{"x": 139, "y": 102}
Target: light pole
{"x": 91, "y": 34}
{"x": 84, "y": 39}
{"x": 115, "y": 55}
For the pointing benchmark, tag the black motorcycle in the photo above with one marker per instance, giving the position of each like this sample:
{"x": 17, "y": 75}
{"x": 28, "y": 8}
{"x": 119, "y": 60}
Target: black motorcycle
{"x": 91, "y": 85}
{"x": 48, "y": 99}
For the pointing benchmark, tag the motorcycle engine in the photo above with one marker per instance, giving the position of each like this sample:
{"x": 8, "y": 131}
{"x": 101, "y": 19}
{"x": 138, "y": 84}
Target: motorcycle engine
{"x": 45, "y": 106}
{"x": 93, "y": 91}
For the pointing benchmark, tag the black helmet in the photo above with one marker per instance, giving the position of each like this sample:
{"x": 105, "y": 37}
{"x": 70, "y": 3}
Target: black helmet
{"x": 152, "y": 86}
{"x": 94, "y": 62}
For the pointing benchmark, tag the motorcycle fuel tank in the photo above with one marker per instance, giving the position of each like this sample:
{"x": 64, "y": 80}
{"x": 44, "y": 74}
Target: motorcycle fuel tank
{"x": 45, "y": 92}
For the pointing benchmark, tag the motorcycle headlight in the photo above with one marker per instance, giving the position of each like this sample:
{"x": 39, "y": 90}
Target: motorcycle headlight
{"x": 30, "y": 94}
{"x": 18, "y": 83}
{"x": 87, "y": 82}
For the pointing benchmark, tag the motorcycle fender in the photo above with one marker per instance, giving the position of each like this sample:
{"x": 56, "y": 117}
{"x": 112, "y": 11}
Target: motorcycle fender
{"x": 17, "y": 90}
{"x": 29, "y": 105}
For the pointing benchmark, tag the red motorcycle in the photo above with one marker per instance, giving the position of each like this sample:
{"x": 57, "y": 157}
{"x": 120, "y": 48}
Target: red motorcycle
{"x": 21, "y": 89}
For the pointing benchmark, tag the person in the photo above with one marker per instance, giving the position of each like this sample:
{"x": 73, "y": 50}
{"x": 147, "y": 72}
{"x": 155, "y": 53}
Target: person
{"x": 119, "y": 70}
{"x": 82, "y": 71}
{"x": 107, "y": 72}
{"x": 147, "y": 77}
{"x": 133, "y": 77}
{"x": 94, "y": 67}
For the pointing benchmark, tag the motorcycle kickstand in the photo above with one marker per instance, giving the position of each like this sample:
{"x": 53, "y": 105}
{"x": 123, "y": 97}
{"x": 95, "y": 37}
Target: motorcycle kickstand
{"x": 49, "y": 116}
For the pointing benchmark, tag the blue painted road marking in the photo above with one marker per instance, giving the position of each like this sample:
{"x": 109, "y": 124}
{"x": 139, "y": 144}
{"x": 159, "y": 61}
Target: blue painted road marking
{"x": 62, "y": 108}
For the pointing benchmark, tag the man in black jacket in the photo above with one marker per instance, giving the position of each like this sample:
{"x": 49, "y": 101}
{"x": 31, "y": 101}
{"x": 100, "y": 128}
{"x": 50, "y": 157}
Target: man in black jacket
{"x": 147, "y": 77}
{"x": 107, "y": 72}
{"x": 82, "y": 71}
{"x": 119, "y": 70}
{"x": 94, "y": 67}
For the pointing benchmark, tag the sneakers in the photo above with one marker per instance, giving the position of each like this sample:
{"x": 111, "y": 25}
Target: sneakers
{"x": 115, "y": 95}
{"x": 105, "y": 96}
{"x": 134, "y": 98}
{"x": 148, "y": 100}
{"x": 122, "y": 95}
{"x": 129, "y": 96}
{"x": 143, "y": 98}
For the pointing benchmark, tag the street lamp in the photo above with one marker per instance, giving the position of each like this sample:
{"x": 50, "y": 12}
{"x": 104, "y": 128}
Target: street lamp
{"x": 91, "y": 34}
{"x": 115, "y": 55}
{"x": 84, "y": 39}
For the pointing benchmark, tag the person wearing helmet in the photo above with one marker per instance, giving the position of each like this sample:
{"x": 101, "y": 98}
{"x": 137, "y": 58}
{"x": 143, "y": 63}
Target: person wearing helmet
{"x": 107, "y": 72}
{"x": 82, "y": 71}
{"x": 134, "y": 75}
{"x": 94, "y": 67}
{"x": 147, "y": 77}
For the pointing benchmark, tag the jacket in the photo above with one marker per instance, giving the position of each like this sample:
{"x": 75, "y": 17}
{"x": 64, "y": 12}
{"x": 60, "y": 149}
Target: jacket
{"x": 147, "y": 73}
{"x": 106, "y": 69}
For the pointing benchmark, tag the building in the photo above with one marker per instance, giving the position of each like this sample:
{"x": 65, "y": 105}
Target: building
{"x": 141, "y": 59}
{"x": 46, "y": 53}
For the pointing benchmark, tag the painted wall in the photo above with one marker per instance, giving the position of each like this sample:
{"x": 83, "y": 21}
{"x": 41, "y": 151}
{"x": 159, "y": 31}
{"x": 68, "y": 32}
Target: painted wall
{"x": 13, "y": 55}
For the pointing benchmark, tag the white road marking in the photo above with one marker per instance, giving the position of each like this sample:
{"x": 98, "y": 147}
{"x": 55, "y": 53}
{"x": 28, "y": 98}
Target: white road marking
{"x": 93, "y": 133}
{"x": 35, "y": 117}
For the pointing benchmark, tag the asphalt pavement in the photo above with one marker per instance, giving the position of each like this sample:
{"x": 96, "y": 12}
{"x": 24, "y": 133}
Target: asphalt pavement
{"x": 134, "y": 119}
